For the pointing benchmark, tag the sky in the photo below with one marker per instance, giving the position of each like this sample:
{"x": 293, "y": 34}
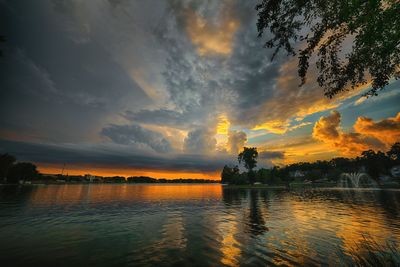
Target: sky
{"x": 169, "y": 89}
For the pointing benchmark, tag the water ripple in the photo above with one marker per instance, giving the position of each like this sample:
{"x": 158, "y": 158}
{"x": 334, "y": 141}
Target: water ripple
{"x": 189, "y": 225}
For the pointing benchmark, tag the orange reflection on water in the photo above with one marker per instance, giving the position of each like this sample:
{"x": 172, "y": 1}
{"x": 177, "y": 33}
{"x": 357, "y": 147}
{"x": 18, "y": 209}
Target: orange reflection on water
{"x": 229, "y": 245}
{"x": 352, "y": 224}
{"x": 355, "y": 228}
{"x": 70, "y": 194}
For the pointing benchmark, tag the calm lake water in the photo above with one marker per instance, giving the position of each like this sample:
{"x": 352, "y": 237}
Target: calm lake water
{"x": 192, "y": 225}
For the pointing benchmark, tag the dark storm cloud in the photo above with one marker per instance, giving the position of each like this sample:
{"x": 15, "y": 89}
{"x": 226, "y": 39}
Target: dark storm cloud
{"x": 163, "y": 117}
{"x": 271, "y": 155}
{"x": 103, "y": 155}
{"x": 200, "y": 141}
{"x": 135, "y": 134}
{"x": 52, "y": 85}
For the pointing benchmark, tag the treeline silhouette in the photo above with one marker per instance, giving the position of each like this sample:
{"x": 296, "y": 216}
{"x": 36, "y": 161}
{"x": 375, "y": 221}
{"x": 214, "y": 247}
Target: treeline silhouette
{"x": 12, "y": 171}
{"x": 145, "y": 179}
{"x": 375, "y": 164}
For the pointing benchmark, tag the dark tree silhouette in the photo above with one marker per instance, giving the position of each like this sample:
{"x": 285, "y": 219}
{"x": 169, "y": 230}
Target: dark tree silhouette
{"x": 22, "y": 171}
{"x": 394, "y": 152}
{"x": 6, "y": 162}
{"x": 372, "y": 26}
{"x": 249, "y": 157}
{"x": 375, "y": 162}
{"x": 228, "y": 174}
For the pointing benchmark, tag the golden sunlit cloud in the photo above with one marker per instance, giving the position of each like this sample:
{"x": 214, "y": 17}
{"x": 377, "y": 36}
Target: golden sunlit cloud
{"x": 210, "y": 37}
{"x": 298, "y": 149}
{"x": 279, "y": 127}
{"x": 386, "y": 130}
{"x": 223, "y": 124}
{"x": 275, "y": 126}
{"x": 368, "y": 134}
{"x": 221, "y": 136}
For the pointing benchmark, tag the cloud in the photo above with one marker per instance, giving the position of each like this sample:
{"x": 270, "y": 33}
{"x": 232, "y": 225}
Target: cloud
{"x": 389, "y": 93}
{"x": 135, "y": 134}
{"x": 81, "y": 95}
{"x": 164, "y": 117}
{"x": 271, "y": 155}
{"x": 283, "y": 100}
{"x": 236, "y": 141}
{"x": 223, "y": 125}
{"x": 299, "y": 148}
{"x": 111, "y": 156}
{"x": 279, "y": 127}
{"x": 250, "y": 90}
{"x": 200, "y": 141}
{"x": 212, "y": 37}
{"x": 368, "y": 134}
{"x": 386, "y": 130}
{"x": 327, "y": 128}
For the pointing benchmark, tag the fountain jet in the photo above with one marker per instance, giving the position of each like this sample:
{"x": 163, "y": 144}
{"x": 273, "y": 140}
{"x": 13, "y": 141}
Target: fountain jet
{"x": 356, "y": 180}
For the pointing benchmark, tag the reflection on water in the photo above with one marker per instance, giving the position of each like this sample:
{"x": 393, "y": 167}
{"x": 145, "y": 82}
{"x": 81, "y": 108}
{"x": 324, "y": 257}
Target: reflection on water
{"x": 230, "y": 247}
{"x": 196, "y": 225}
{"x": 69, "y": 194}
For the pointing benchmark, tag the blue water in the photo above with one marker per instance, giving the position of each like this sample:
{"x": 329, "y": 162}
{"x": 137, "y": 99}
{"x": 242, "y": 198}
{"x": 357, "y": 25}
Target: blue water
{"x": 192, "y": 225}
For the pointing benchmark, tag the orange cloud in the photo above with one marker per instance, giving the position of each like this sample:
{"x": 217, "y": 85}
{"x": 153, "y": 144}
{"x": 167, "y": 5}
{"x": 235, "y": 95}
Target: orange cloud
{"x": 298, "y": 149}
{"x": 279, "y": 127}
{"x": 275, "y": 126}
{"x": 212, "y": 38}
{"x": 387, "y": 130}
{"x": 327, "y": 128}
{"x": 368, "y": 134}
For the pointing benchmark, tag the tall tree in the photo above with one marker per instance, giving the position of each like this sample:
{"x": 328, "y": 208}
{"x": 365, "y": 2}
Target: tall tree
{"x": 249, "y": 157}
{"x": 371, "y": 26}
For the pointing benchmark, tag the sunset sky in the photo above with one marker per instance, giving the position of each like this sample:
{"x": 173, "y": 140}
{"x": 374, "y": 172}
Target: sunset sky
{"x": 167, "y": 89}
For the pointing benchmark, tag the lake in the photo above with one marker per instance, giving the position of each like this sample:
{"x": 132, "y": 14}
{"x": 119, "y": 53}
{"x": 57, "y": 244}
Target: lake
{"x": 192, "y": 225}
